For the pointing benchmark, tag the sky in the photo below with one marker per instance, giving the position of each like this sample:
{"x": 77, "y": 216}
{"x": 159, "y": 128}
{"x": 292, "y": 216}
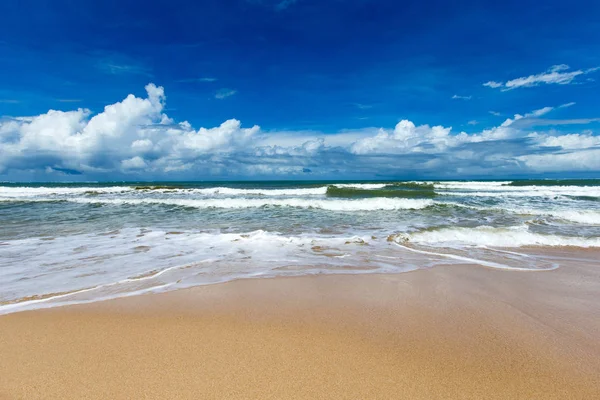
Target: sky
{"x": 298, "y": 89}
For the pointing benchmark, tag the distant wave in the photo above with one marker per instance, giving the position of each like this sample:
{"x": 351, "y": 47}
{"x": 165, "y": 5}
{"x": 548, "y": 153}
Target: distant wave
{"x": 403, "y": 190}
{"x": 477, "y": 190}
{"x": 332, "y": 205}
{"x": 575, "y": 189}
{"x": 366, "y": 186}
{"x": 507, "y": 185}
{"x": 260, "y": 192}
{"x": 472, "y": 185}
{"x": 556, "y": 182}
{"x": 25, "y": 192}
{"x": 45, "y": 191}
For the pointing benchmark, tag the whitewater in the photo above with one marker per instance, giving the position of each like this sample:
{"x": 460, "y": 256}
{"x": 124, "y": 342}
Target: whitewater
{"x": 64, "y": 243}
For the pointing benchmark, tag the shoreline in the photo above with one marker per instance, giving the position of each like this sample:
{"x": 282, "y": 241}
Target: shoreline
{"x": 566, "y": 254}
{"x": 457, "y": 331}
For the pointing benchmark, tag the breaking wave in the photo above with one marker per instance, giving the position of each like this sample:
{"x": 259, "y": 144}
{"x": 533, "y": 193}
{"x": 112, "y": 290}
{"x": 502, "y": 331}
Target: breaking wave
{"x": 332, "y": 205}
{"x": 517, "y": 236}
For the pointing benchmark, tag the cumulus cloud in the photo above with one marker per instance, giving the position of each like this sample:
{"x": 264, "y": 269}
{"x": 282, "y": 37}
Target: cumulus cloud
{"x": 131, "y": 134}
{"x": 135, "y": 138}
{"x": 557, "y": 74}
{"x": 585, "y": 160}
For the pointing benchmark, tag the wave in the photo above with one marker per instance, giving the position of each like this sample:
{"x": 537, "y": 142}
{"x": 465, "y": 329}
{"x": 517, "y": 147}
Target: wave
{"x": 520, "y": 189}
{"x": 517, "y": 236}
{"x": 366, "y": 186}
{"x": 342, "y": 200}
{"x": 556, "y": 182}
{"x": 370, "y": 204}
{"x": 583, "y": 198}
{"x": 472, "y": 185}
{"x": 585, "y": 217}
{"x": 396, "y": 190}
{"x": 26, "y": 192}
{"x": 261, "y": 192}
{"x": 20, "y": 191}
{"x": 530, "y": 191}
{"x": 408, "y": 189}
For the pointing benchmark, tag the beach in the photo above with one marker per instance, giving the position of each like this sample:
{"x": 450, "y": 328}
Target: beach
{"x": 290, "y": 199}
{"x": 300, "y": 290}
{"x": 448, "y": 332}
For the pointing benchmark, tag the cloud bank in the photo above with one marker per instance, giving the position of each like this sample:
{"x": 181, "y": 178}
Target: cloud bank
{"x": 136, "y": 139}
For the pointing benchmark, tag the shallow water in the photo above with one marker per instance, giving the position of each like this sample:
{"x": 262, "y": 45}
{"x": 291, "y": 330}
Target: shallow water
{"x": 64, "y": 243}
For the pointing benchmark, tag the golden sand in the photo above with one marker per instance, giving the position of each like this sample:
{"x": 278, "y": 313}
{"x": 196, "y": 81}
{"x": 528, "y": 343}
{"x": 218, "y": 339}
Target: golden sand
{"x": 456, "y": 332}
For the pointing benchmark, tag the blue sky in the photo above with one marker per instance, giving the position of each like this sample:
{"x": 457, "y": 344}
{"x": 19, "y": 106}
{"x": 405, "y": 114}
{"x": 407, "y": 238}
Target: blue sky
{"x": 330, "y": 76}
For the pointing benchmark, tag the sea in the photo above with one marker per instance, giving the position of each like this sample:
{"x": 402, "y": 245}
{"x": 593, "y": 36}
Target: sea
{"x": 66, "y": 243}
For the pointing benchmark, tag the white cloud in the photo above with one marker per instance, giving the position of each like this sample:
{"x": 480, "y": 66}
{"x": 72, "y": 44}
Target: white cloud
{"x": 457, "y": 97}
{"x": 142, "y": 146}
{"x": 192, "y": 80}
{"x": 586, "y": 160}
{"x": 134, "y": 137}
{"x": 571, "y": 141}
{"x": 557, "y": 74}
{"x": 120, "y": 136}
{"x": 224, "y": 93}
{"x": 406, "y": 138}
{"x": 539, "y": 112}
{"x": 493, "y": 84}
{"x": 567, "y": 105}
{"x": 136, "y": 162}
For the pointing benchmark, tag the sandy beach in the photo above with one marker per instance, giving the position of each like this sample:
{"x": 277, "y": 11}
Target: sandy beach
{"x": 294, "y": 199}
{"x": 454, "y": 332}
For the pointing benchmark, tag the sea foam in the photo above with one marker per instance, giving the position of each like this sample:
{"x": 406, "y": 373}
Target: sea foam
{"x": 238, "y": 203}
{"x": 515, "y": 236}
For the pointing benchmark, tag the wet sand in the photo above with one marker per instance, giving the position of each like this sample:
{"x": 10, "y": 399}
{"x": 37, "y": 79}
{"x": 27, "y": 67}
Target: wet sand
{"x": 451, "y": 332}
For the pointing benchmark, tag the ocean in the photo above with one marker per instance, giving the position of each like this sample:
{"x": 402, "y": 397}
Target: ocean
{"x": 66, "y": 243}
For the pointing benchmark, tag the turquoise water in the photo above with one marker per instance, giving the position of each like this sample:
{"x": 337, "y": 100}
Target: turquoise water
{"x": 63, "y": 243}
